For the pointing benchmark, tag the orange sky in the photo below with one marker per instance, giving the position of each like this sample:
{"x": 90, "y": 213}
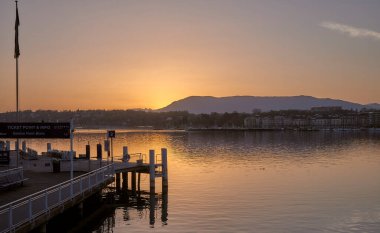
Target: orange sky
{"x": 145, "y": 54}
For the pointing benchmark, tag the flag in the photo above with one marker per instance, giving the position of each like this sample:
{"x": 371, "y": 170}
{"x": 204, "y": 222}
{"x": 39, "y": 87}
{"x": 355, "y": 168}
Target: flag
{"x": 17, "y": 23}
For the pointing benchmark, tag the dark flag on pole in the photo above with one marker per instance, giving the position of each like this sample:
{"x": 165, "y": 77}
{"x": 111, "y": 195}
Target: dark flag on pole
{"x": 17, "y": 23}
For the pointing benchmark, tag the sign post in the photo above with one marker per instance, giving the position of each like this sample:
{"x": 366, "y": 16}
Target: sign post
{"x": 71, "y": 149}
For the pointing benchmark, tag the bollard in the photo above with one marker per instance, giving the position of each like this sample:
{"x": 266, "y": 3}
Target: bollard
{"x": 88, "y": 151}
{"x": 126, "y": 156}
{"x": 99, "y": 151}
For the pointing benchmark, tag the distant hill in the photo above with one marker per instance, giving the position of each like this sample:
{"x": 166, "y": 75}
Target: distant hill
{"x": 209, "y": 104}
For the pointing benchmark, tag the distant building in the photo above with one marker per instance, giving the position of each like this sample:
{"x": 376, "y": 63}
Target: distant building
{"x": 326, "y": 109}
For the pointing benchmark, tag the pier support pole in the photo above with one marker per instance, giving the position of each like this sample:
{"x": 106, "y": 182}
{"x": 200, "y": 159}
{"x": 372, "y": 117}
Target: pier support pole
{"x": 152, "y": 170}
{"x": 138, "y": 183}
{"x": 133, "y": 181}
{"x": 117, "y": 182}
{"x": 164, "y": 209}
{"x": 125, "y": 181}
{"x": 152, "y": 174}
{"x": 164, "y": 159}
{"x": 152, "y": 207}
{"x": 124, "y": 188}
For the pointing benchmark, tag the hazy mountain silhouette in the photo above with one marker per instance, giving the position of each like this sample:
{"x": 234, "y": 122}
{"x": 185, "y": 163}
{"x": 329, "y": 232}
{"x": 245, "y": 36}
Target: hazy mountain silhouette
{"x": 208, "y": 104}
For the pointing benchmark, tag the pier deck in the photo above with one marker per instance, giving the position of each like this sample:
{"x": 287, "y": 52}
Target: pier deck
{"x": 36, "y": 182}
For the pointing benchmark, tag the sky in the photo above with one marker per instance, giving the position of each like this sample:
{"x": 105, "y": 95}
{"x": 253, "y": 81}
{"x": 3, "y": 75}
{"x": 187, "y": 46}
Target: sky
{"x": 119, "y": 54}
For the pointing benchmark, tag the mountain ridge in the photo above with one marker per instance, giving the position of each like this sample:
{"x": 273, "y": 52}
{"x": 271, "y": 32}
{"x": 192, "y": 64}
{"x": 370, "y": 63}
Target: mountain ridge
{"x": 247, "y": 104}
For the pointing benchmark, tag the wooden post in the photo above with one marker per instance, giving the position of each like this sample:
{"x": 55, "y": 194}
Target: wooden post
{"x": 152, "y": 170}
{"x": 152, "y": 206}
{"x": 138, "y": 183}
{"x": 125, "y": 181}
{"x": 164, "y": 159}
{"x": 164, "y": 209}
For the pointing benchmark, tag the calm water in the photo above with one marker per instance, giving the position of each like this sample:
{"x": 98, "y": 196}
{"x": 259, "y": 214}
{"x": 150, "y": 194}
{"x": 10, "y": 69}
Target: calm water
{"x": 254, "y": 182}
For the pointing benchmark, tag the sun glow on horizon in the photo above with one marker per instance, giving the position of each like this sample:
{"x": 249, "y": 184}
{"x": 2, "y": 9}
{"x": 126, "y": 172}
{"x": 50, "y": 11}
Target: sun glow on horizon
{"x": 148, "y": 54}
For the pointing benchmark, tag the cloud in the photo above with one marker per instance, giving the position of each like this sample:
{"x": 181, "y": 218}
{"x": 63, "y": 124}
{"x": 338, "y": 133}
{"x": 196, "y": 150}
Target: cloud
{"x": 351, "y": 31}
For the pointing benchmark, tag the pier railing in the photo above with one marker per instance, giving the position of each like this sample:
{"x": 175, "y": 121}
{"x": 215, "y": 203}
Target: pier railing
{"x": 29, "y": 208}
{"x": 8, "y": 172}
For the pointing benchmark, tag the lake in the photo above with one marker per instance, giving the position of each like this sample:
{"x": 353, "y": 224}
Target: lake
{"x": 251, "y": 181}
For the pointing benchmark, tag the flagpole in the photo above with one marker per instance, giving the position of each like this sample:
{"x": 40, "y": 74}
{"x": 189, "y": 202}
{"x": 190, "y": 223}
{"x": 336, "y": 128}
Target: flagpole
{"x": 17, "y": 110}
{"x": 17, "y": 106}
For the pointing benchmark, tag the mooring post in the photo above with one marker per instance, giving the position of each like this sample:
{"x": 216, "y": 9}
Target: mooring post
{"x": 99, "y": 153}
{"x": 164, "y": 159}
{"x": 138, "y": 183}
{"x": 118, "y": 182}
{"x": 152, "y": 206}
{"x": 125, "y": 154}
{"x": 152, "y": 170}
{"x": 88, "y": 151}
{"x": 164, "y": 207}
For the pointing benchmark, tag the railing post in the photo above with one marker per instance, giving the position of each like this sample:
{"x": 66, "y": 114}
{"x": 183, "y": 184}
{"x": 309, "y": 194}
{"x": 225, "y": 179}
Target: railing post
{"x": 30, "y": 209}
{"x": 10, "y": 217}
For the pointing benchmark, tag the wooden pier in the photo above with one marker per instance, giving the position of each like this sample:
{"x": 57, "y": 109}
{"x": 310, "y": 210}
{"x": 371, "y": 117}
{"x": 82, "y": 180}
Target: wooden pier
{"x": 34, "y": 211}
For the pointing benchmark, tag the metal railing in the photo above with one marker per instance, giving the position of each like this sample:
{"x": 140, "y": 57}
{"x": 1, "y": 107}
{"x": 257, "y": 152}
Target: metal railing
{"x": 27, "y": 209}
{"x": 137, "y": 156}
{"x": 11, "y": 171}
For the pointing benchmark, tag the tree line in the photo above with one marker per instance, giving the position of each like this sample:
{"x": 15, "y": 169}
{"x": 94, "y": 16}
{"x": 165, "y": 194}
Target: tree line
{"x": 152, "y": 119}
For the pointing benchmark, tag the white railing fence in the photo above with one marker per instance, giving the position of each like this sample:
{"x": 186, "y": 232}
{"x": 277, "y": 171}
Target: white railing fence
{"x": 27, "y": 209}
{"x": 18, "y": 170}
